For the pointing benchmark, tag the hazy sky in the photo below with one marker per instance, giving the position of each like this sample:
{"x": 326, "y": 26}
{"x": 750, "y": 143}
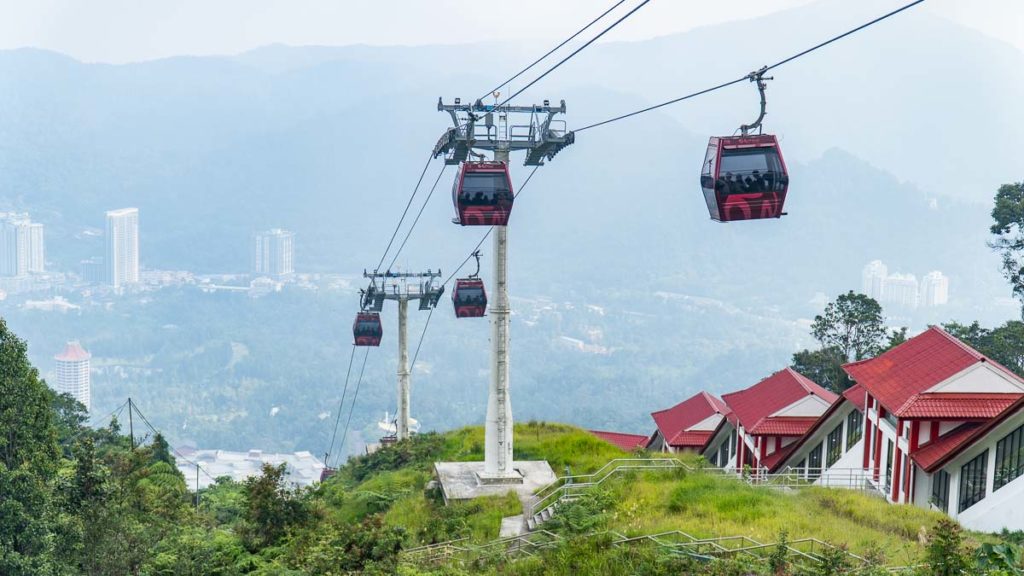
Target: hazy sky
{"x": 132, "y": 30}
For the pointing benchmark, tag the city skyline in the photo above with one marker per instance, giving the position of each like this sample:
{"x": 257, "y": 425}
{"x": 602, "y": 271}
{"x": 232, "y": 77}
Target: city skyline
{"x": 904, "y": 289}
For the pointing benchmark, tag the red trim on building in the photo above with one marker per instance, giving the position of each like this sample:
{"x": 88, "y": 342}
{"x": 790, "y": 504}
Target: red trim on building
{"x": 897, "y": 463}
{"x": 878, "y": 444}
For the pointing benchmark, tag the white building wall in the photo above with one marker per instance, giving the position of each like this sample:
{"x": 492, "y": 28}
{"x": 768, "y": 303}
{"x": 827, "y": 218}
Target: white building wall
{"x": 1003, "y": 508}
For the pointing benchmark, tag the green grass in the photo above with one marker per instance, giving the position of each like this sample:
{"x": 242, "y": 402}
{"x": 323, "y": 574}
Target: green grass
{"x": 392, "y": 482}
{"x": 709, "y": 506}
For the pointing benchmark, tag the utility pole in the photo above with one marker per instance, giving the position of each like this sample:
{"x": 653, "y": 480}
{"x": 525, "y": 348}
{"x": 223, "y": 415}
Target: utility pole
{"x": 396, "y": 286}
{"x": 131, "y": 425}
{"x": 537, "y": 132}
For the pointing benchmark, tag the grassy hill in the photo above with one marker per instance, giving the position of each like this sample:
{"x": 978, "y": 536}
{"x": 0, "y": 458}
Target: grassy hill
{"x": 394, "y": 483}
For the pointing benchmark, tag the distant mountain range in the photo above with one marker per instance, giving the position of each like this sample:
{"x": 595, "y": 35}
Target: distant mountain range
{"x": 896, "y": 140}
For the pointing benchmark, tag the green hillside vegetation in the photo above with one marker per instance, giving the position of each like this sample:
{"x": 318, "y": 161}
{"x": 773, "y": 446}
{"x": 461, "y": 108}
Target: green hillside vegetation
{"x": 76, "y": 500}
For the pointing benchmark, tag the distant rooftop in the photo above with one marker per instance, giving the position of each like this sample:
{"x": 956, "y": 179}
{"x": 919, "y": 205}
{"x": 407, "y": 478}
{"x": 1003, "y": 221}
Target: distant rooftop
{"x": 303, "y": 469}
{"x": 73, "y": 352}
{"x": 122, "y": 211}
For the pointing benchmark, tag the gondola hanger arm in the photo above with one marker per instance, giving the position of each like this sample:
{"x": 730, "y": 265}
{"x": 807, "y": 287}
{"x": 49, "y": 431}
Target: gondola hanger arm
{"x": 758, "y": 77}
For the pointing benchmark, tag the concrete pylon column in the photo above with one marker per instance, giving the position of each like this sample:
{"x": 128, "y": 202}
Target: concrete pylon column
{"x": 402, "y": 426}
{"x": 498, "y": 427}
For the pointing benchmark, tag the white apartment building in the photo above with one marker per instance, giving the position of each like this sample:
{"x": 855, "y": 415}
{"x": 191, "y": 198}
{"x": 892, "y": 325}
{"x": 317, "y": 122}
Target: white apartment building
{"x": 21, "y": 245}
{"x": 934, "y": 289}
{"x": 901, "y": 290}
{"x": 274, "y": 252}
{"x": 123, "y": 247}
{"x": 873, "y": 279}
{"x": 73, "y": 367}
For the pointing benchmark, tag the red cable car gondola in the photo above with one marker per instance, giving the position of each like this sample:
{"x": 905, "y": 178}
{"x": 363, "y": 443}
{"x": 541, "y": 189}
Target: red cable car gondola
{"x": 483, "y": 194}
{"x": 367, "y": 329}
{"x": 469, "y": 296}
{"x": 744, "y": 177}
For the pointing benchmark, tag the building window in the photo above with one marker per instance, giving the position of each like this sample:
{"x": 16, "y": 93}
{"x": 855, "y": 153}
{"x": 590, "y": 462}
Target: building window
{"x": 972, "y": 481}
{"x": 835, "y": 446}
{"x": 732, "y": 444}
{"x": 888, "y": 468}
{"x": 890, "y": 419}
{"x": 714, "y": 459}
{"x": 854, "y": 428}
{"x": 1009, "y": 458}
{"x": 940, "y": 490}
{"x": 814, "y": 462}
{"x": 723, "y": 454}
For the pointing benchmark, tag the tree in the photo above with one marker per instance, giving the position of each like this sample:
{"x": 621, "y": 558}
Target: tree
{"x": 853, "y": 324}
{"x": 28, "y": 462}
{"x": 824, "y": 367}
{"x": 1008, "y": 230}
{"x": 1004, "y": 344}
{"x": 946, "y": 553}
{"x": 273, "y": 509}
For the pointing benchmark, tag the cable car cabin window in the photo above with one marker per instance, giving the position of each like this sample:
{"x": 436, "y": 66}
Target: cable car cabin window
{"x": 470, "y": 295}
{"x": 367, "y": 329}
{"x": 751, "y": 170}
{"x": 485, "y": 189}
{"x": 708, "y": 171}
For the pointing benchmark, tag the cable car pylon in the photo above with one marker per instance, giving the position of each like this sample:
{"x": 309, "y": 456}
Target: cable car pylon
{"x": 483, "y": 196}
{"x": 401, "y": 287}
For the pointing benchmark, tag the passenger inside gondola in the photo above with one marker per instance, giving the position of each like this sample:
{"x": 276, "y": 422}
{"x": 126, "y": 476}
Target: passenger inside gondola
{"x": 750, "y": 171}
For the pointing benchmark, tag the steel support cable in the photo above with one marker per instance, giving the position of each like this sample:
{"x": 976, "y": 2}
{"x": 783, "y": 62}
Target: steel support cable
{"x": 406, "y": 211}
{"x": 135, "y": 407}
{"x": 748, "y": 76}
{"x": 417, "y": 219}
{"x": 574, "y": 53}
{"x": 116, "y": 412}
{"x": 341, "y": 404}
{"x": 555, "y": 49}
{"x": 352, "y": 406}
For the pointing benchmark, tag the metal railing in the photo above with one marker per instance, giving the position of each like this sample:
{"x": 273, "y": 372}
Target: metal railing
{"x": 566, "y": 487}
{"x": 805, "y": 554}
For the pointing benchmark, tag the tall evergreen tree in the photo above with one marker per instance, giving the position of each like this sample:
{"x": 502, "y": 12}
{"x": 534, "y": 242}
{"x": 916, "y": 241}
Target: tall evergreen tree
{"x": 29, "y": 457}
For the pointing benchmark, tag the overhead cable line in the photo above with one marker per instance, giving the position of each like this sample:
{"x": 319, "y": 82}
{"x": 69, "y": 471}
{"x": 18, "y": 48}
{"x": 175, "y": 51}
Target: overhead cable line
{"x": 417, "y": 219}
{"x": 341, "y": 404}
{"x": 406, "y": 211}
{"x": 116, "y": 412}
{"x": 752, "y": 75}
{"x": 574, "y": 52}
{"x": 553, "y": 50}
{"x": 353, "y": 405}
{"x": 135, "y": 407}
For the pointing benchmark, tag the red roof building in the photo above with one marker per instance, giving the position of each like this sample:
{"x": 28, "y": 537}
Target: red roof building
{"x": 922, "y": 398}
{"x": 687, "y": 426}
{"x": 628, "y": 442}
{"x": 765, "y": 420}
